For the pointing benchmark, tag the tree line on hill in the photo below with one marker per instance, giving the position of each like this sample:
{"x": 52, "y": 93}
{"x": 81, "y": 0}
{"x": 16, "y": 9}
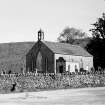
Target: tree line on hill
{"x": 95, "y": 45}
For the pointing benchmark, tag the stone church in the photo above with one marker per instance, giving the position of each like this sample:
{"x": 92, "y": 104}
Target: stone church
{"x": 54, "y": 57}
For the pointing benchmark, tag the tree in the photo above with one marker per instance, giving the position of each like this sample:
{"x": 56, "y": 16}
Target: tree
{"x": 69, "y": 35}
{"x": 97, "y": 44}
{"x": 99, "y": 28}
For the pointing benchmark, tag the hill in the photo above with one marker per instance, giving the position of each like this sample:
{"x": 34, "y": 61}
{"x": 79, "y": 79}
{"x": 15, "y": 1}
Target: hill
{"x": 12, "y": 55}
{"x": 82, "y": 42}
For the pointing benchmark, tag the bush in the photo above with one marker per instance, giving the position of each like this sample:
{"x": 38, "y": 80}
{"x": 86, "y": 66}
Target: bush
{"x": 32, "y": 82}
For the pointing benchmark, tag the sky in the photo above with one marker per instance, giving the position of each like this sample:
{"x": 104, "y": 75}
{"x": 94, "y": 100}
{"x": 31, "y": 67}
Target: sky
{"x": 20, "y": 20}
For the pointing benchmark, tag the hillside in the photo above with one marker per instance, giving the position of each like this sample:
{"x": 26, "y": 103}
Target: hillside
{"x": 82, "y": 42}
{"x": 12, "y": 55}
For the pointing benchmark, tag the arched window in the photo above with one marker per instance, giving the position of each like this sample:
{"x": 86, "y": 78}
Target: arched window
{"x": 46, "y": 64}
{"x": 39, "y": 61}
{"x": 76, "y": 69}
{"x": 68, "y": 68}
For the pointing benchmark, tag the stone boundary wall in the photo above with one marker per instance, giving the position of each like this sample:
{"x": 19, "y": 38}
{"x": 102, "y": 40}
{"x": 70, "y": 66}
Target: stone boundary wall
{"x": 33, "y": 82}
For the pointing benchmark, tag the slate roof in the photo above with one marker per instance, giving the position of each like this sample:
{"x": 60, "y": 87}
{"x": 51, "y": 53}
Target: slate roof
{"x": 68, "y": 49}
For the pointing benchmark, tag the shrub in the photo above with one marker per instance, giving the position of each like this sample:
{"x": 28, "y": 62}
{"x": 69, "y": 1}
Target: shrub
{"x": 32, "y": 82}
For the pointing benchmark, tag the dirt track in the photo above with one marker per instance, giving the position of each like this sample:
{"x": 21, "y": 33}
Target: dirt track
{"x": 87, "y": 96}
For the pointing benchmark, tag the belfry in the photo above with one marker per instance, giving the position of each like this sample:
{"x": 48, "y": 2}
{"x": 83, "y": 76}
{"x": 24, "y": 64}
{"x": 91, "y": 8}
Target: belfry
{"x": 40, "y": 35}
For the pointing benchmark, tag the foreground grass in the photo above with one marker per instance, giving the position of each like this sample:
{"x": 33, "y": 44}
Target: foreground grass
{"x": 83, "y": 96}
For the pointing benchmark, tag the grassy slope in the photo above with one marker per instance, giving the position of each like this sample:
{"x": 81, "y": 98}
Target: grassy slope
{"x": 12, "y": 55}
{"x": 87, "y": 96}
{"x": 82, "y": 42}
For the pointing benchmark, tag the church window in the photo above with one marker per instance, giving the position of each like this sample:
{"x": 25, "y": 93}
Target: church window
{"x": 39, "y": 61}
{"x": 87, "y": 68}
{"x": 68, "y": 68}
{"x": 46, "y": 64}
{"x": 76, "y": 69}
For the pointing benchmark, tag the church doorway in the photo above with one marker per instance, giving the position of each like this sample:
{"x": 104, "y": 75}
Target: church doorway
{"x": 60, "y": 65}
{"x": 61, "y": 69}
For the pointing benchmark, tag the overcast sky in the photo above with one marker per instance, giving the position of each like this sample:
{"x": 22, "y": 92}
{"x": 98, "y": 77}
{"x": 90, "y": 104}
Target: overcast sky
{"x": 21, "y": 19}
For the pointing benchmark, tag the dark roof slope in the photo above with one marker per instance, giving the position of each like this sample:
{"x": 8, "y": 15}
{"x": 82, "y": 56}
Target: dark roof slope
{"x": 63, "y": 48}
{"x": 12, "y": 51}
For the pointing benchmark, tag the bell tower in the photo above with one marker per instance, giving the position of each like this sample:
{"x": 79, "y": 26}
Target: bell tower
{"x": 40, "y": 35}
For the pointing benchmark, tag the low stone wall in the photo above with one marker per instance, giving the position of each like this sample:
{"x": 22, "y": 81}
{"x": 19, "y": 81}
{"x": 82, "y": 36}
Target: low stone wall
{"x": 34, "y": 82}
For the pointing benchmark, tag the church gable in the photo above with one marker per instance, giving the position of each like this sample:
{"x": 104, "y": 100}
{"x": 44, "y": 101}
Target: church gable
{"x": 41, "y": 58}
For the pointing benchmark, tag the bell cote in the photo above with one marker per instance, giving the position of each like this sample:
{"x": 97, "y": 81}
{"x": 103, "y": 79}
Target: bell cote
{"x": 40, "y": 35}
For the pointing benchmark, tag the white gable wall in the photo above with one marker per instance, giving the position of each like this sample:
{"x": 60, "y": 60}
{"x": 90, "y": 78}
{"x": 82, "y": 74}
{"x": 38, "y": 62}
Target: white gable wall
{"x": 70, "y": 66}
{"x": 87, "y": 62}
{"x": 80, "y": 61}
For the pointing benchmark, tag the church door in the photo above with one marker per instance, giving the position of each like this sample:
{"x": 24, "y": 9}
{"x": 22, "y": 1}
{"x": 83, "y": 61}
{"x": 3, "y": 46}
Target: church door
{"x": 60, "y": 65}
{"x": 61, "y": 69}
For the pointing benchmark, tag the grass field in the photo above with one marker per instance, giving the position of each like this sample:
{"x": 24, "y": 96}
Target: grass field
{"x": 85, "y": 96}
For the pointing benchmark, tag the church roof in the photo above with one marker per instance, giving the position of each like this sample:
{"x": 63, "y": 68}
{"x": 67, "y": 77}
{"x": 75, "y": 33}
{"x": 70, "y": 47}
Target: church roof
{"x": 68, "y": 49}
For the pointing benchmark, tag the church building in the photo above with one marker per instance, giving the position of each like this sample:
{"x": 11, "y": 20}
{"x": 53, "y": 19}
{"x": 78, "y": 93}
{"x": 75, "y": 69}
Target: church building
{"x": 54, "y": 57}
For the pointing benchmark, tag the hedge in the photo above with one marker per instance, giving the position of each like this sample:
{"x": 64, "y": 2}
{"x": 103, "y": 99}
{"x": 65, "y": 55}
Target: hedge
{"x": 33, "y": 82}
